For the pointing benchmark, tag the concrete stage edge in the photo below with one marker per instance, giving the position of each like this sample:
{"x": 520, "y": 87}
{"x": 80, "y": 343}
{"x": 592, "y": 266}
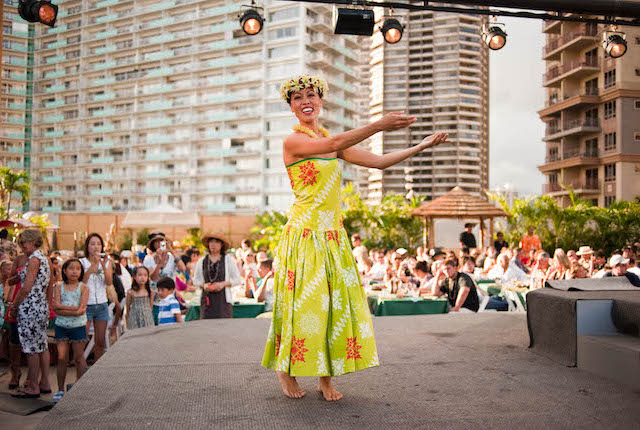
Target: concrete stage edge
{"x": 438, "y": 371}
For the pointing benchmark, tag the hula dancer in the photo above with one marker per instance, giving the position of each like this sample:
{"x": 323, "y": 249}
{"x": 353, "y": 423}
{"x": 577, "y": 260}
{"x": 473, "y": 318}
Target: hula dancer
{"x": 321, "y": 323}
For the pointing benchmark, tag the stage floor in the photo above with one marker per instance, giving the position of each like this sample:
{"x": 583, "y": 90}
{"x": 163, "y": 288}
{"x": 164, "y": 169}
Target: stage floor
{"x": 438, "y": 371}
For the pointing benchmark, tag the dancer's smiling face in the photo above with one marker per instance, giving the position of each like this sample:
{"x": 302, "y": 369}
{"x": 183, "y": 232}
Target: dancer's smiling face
{"x": 306, "y": 105}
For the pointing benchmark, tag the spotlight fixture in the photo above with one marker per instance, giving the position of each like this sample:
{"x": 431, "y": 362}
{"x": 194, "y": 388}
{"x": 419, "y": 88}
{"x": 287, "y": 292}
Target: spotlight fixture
{"x": 353, "y": 21}
{"x": 251, "y": 21}
{"x": 392, "y": 30}
{"x": 494, "y": 37}
{"x": 38, "y": 11}
{"x": 614, "y": 44}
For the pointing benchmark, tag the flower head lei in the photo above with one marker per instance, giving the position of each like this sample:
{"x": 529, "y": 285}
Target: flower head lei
{"x": 300, "y": 82}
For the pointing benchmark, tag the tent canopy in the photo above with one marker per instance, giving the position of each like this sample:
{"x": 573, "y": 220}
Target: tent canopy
{"x": 161, "y": 216}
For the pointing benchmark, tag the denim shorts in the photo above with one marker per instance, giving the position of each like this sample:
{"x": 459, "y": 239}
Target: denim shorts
{"x": 73, "y": 334}
{"x": 98, "y": 312}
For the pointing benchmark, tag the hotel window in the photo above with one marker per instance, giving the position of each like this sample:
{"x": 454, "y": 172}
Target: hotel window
{"x": 610, "y": 142}
{"x": 609, "y": 172}
{"x": 610, "y": 78}
{"x": 636, "y": 137}
{"x": 608, "y": 200}
{"x": 637, "y": 104}
{"x": 610, "y": 109}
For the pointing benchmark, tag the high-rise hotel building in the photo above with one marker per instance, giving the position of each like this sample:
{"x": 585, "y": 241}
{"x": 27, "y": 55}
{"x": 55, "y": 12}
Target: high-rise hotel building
{"x": 592, "y": 113}
{"x": 438, "y": 72}
{"x": 139, "y": 104}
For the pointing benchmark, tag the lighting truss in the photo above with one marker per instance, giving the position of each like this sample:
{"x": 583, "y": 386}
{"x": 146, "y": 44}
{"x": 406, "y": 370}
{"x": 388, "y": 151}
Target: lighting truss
{"x": 606, "y": 12}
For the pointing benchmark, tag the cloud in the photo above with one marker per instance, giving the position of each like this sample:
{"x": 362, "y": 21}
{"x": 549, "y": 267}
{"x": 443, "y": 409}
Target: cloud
{"x": 516, "y": 94}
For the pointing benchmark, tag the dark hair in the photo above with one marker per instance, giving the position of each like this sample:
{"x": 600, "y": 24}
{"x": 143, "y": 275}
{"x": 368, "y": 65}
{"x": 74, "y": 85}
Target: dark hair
{"x": 152, "y": 237}
{"x": 166, "y": 283}
{"x": 499, "y": 233}
{"x": 86, "y": 244}
{"x": 66, "y": 264}
{"x": 355, "y": 236}
{"x": 469, "y": 224}
{"x": 422, "y": 266}
{"x": 468, "y": 258}
{"x": 134, "y": 284}
{"x": 267, "y": 263}
{"x": 4, "y": 233}
{"x": 185, "y": 258}
{"x": 246, "y": 242}
{"x": 223, "y": 245}
{"x": 465, "y": 249}
{"x": 451, "y": 262}
{"x": 601, "y": 254}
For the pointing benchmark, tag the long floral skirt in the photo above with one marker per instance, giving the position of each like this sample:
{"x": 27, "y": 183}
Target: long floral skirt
{"x": 321, "y": 323}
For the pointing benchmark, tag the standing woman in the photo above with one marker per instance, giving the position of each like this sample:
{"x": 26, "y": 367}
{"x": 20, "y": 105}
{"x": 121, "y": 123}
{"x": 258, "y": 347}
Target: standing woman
{"x": 216, "y": 273}
{"x": 32, "y": 310}
{"x": 321, "y": 323}
{"x": 98, "y": 275}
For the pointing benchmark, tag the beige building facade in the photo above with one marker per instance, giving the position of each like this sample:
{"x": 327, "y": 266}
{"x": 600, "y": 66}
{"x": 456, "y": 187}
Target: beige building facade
{"x": 592, "y": 113}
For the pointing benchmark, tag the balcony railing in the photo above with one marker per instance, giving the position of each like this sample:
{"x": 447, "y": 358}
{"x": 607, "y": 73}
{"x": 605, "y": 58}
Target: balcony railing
{"x": 571, "y": 126}
{"x": 571, "y": 155}
{"x": 588, "y": 31}
{"x": 569, "y": 67}
{"x": 590, "y": 186}
{"x": 557, "y": 98}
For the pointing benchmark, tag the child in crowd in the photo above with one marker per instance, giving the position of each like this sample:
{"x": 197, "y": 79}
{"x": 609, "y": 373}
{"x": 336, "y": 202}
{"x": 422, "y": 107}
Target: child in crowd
{"x": 70, "y": 303}
{"x": 169, "y": 308}
{"x": 140, "y": 300}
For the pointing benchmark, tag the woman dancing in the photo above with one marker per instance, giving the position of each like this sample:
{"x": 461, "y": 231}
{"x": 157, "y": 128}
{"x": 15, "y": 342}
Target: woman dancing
{"x": 321, "y": 323}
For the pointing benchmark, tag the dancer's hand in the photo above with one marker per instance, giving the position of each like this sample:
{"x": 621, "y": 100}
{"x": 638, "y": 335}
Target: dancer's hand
{"x": 433, "y": 140}
{"x": 395, "y": 121}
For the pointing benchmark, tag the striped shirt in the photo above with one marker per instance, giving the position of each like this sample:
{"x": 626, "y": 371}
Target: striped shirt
{"x": 168, "y": 308}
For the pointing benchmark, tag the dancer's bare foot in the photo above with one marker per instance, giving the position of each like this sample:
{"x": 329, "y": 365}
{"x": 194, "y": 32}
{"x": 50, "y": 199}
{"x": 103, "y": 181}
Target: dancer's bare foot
{"x": 327, "y": 389}
{"x": 290, "y": 386}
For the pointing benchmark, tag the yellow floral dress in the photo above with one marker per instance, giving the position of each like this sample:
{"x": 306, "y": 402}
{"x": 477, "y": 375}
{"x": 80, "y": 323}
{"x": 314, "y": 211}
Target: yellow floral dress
{"x": 321, "y": 323}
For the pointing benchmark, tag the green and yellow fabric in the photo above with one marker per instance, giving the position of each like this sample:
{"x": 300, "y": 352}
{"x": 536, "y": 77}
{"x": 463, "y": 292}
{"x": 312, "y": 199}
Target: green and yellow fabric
{"x": 321, "y": 323}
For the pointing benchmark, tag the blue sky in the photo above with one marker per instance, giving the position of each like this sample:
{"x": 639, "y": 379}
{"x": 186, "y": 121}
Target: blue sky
{"x": 516, "y": 94}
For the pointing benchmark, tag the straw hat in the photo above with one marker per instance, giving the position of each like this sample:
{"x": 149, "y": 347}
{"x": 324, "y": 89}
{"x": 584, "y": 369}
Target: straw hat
{"x": 584, "y": 250}
{"x": 155, "y": 236}
{"x": 208, "y": 236}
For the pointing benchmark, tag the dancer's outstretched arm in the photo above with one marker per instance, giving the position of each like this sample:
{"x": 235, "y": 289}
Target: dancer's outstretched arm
{"x": 362, "y": 157}
{"x": 302, "y": 145}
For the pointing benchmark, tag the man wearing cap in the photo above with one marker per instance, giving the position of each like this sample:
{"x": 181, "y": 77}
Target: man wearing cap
{"x": 467, "y": 239}
{"x": 619, "y": 268}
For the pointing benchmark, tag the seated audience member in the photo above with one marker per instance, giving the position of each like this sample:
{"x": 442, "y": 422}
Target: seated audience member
{"x": 264, "y": 291}
{"x": 627, "y": 252}
{"x": 506, "y": 271}
{"x": 168, "y": 307}
{"x": 518, "y": 259}
{"x": 468, "y": 265}
{"x": 577, "y": 270}
{"x": 586, "y": 257}
{"x": 436, "y": 281}
{"x": 633, "y": 267}
{"x": 619, "y": 268}
{"x": 500, "y": 242}
{"x": 459, "y": 289}
{"x": 261, "y": 256}
{"x": 490, "y": 261}
{"x": 560, "y": 265}
{"x": 421, "y": 272}
{"x": 379, "y": 267}
{"x": 597, "y": 270}
{"x": 541, "y": 269}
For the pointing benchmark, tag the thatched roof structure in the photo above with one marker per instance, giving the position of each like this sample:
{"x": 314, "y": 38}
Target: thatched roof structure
{"x": 458, "y": 203}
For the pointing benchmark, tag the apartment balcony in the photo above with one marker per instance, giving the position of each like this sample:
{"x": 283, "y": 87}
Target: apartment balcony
{"x": 570, "y": 159}
{"x": 551, "y": 26}
{"x": 221, "y": 207}
{"x": 574, "y": 69}
{"x": 556, "y": 103}
{"x": 579, "y": 187}
{"x": 52, "y": 194}
{"x": 51, "y": 209}
{"x": 574, "y": 40}
{"x": 101, "y": 208}
{"x": 572, "y": 128}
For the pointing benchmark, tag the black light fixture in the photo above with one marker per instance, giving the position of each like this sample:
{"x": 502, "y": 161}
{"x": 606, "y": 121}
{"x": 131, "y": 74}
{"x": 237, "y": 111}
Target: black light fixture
{"x": 353, "y": 21}
{"x": 251, "y": 21}
{"x": 392, "y": 30}
{"x": 614, "y": 44}
{"x": 494, "y": 37}
{"x": 43, "y": 12}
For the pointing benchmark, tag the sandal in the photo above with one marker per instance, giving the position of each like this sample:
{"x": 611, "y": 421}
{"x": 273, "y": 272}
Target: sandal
{"x": 23, "y": 395}
{"x": 57, "y": 396}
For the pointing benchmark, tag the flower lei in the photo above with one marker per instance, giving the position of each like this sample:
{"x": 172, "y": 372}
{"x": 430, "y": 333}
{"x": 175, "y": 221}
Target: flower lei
{"x": 311, "y": 133}
{"x": 300, "y": 82}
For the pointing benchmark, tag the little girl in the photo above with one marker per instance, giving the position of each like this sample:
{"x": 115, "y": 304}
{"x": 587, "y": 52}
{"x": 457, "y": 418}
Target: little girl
{"x": 140, "y": 300}
{"x": 70, "y": 304}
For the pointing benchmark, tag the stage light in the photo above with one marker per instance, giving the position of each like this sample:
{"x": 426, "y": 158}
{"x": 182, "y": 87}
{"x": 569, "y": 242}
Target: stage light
{"x": 614, "y": 44}
{"x": 353, "y": 21}
{"x": 38, "y": 11}
{"x": 251, "y": 21}
{"x": 494, "y": 37}
{"x": 392, "y": 30}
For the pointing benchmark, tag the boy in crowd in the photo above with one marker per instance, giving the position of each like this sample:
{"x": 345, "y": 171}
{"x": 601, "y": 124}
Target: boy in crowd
{"x": 264, "y": 291}
{"x": 169, "y": 311}
{"x": 460, "y": 289}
